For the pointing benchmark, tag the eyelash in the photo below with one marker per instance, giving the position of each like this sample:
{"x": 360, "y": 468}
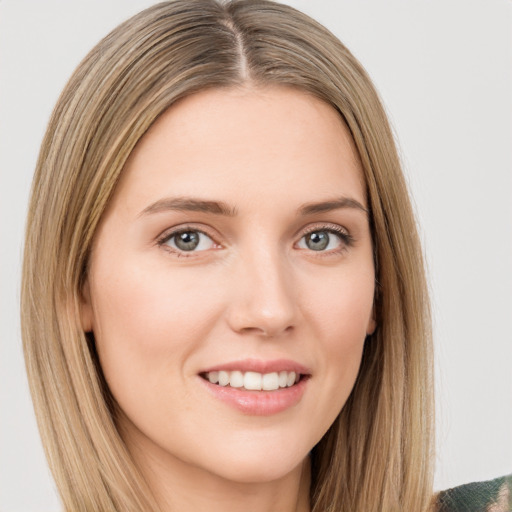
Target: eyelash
{"x": 346, "y": 239}
{"x": 168, "y": 235}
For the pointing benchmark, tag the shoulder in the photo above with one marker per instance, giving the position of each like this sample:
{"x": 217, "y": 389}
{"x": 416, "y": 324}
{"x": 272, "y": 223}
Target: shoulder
{"x": 490, "y": 496}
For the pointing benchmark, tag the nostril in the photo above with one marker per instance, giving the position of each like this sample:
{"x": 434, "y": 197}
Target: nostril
{"x": 267, "y": 331}
{"x": 264, "y": 304}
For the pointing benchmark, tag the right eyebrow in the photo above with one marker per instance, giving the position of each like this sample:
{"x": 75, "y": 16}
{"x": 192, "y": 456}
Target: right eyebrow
{"x": 189, "y": 204}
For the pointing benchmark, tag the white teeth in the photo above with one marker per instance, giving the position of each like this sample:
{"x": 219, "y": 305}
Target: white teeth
{"x": 291, "y": 379}
{"x": 223, "y": 378}
{"x": 254, "y": 381}
{"x": 270, "y": 382}
{"x": 236, "y": 380}
{"x": 213, "y": 377}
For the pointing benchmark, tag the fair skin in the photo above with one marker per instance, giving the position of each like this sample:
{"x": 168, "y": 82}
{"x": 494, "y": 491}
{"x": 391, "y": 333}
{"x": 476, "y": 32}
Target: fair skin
{"x": 237, "y": 241}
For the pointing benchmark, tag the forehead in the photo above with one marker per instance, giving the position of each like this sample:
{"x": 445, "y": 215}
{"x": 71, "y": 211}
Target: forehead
{"x": 241, "y": 140}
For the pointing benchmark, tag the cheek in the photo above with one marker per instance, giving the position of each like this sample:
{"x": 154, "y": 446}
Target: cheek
{"x": 342, "y": 314}
{"x": 133, "y": 301}
{"x": 146, "y": 325}
{"x": 342, "y": 305}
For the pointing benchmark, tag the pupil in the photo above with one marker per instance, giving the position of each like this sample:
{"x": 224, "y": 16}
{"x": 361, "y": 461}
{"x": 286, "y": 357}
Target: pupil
{"x": 318, "y": 241}
{"x": 187, "y": 241}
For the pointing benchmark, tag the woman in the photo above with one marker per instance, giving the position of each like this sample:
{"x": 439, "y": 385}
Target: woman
{"x": 236, "y": 100}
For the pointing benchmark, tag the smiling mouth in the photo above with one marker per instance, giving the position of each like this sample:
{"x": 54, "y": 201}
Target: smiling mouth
{"x": 254, "y": 381}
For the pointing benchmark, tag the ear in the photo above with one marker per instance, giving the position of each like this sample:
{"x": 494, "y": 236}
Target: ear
{"x": 86, "y": 313}
{"x": 372, "y": 323}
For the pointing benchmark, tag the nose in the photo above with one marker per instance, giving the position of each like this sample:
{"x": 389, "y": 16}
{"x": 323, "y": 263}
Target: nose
{"x": 264, "y": 301}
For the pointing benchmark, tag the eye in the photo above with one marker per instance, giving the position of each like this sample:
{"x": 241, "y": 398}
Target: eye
{"x": 189, "y": 240}
{"x": 325, "y": 240}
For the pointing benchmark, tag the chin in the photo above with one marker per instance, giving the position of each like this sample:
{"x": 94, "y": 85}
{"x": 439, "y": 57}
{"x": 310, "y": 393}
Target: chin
{"x": 264, "y": 470}
{"x": 254, "y": 462}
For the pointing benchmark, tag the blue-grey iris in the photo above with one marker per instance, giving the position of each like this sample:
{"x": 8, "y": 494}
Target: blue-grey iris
{"x": 187, "y": 241}
{"x": 317, "y": 241}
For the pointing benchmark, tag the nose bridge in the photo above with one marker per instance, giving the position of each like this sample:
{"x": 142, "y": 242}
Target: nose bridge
{"x": 265, "y": 300}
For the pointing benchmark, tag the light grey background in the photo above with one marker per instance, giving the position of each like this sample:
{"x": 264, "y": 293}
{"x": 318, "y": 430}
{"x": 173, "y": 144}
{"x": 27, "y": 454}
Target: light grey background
{"x": 444, "y": 69}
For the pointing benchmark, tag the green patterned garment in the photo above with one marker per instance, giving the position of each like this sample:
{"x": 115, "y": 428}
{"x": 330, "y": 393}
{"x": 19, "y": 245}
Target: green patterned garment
{"x": 491, "y": 496}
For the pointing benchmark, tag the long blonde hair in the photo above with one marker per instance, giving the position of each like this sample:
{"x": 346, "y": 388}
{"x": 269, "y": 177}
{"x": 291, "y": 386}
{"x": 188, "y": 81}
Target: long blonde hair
{"x": 377, "y": 456}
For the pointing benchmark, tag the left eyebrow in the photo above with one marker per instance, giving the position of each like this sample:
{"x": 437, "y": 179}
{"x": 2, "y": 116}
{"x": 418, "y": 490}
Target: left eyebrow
{"x": 334, "y": 204}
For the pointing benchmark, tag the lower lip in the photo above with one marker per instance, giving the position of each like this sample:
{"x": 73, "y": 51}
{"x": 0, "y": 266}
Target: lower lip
{"x": 258, "y": 403}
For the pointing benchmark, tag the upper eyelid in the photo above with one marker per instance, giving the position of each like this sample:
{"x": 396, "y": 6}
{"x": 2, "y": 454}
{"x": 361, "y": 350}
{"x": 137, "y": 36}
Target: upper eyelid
{"x": 306, "y": 229}
{"x": 168, "y": 233}
{"x": 325, "y": 226}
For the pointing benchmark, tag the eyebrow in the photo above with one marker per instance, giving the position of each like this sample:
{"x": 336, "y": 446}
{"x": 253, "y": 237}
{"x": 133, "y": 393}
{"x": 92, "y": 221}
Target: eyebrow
{"x": 192, "y": 204}
{"x": 334, "y": 204}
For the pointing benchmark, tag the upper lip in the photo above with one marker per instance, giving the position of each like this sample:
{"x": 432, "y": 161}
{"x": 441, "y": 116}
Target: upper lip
{"x": 260, "y": 366}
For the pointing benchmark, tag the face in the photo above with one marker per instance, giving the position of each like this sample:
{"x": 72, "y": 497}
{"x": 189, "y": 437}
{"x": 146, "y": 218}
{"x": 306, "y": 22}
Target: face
{"x": 231, "y": 283}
